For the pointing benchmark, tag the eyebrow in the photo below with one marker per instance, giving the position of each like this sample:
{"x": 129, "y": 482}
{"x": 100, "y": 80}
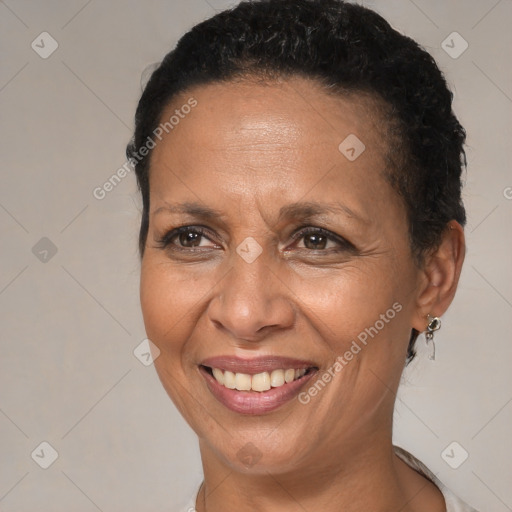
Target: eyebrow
{"x": 300, "y": 210}
{"x": 307, "y": 210}
{"x": 191, "y": 208}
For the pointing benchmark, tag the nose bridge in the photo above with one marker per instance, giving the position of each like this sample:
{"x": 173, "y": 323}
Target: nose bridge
{"x": 251, "y": 297}
{"x": 251, "y": 274}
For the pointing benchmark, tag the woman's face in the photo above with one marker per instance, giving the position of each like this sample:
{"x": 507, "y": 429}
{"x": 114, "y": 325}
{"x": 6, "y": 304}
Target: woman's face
{"x": 295, "y": 256}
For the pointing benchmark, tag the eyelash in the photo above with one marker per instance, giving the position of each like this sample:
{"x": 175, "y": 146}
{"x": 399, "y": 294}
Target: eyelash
{"x": 166, "y": 240}
{"x": 342, "y": 243}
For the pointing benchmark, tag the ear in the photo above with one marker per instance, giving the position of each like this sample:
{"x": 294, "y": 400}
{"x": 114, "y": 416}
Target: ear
{"x": 440, "y": 276}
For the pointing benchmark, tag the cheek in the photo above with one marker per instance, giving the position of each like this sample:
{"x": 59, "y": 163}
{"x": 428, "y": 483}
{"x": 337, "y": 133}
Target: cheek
{"x": 348, "y": 302}
{"x": 171, "y": 301}
{"x": 361, "y": 316}
{"x": 167, "y": 302}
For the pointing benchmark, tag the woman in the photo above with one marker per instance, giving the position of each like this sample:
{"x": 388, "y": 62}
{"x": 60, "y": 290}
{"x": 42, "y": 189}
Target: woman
{"x": 300, "y": 170}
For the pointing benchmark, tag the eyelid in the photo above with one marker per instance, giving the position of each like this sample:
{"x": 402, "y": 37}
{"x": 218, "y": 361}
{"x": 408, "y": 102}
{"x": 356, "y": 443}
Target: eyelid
{"x": 306, "y": 230}
{"x": 165, "y": 240}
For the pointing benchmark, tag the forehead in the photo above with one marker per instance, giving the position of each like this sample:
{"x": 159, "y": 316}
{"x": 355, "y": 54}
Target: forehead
{"x": 284, "y": 139}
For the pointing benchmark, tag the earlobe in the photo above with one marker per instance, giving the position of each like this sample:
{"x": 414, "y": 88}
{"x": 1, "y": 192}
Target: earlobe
{"x": 440, "y": 276}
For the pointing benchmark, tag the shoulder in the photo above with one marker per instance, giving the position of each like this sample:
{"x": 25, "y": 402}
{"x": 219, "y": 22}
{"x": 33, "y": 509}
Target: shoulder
{"x": 453, "y": 503}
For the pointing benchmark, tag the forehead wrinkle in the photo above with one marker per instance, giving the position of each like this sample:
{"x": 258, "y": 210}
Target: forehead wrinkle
{"x": 297, "y": 211}
{"x": 192, "y": 208}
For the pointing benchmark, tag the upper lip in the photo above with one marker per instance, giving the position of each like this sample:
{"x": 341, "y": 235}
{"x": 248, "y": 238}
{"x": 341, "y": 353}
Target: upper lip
{"x": 256, "y": 365}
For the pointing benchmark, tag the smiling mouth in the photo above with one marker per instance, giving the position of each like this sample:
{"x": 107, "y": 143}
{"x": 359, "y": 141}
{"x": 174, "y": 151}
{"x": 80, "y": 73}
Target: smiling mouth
{"x": 259, "y": 382}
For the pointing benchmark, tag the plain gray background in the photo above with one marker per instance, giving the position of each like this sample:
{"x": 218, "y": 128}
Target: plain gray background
{"x": 70, "y": 321}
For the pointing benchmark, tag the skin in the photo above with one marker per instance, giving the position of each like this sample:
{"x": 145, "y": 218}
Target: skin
{"x": 247, "y": 150}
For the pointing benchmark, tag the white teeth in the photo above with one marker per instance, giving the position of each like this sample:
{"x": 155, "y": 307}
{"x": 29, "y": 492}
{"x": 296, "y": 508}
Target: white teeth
{"x": 261, "y": 382}
{"x": 258, "y": 382}
{"x": 219, "y": 375}
{"x": 289, "y": 376}
{"x": 229, "y": 379}
{"x": 242, "y": 382}
{"x": 277, "y": 378}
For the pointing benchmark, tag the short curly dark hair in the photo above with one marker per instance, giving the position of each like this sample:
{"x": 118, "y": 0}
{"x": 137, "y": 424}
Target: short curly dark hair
{"x": 348, "y": 49}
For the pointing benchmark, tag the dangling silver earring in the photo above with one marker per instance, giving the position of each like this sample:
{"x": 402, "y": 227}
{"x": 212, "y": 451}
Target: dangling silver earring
{"x": 434, "y": 324}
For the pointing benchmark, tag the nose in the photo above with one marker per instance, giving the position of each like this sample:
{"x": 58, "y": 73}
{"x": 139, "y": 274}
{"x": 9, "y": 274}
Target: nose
{"x": 251, "y": 301}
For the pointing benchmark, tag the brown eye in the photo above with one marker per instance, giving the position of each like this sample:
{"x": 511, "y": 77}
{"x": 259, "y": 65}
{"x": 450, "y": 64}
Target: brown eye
{"x": 190, "y": 238}
{"x": 187, "y": 237}
{"x": 319, "y": 239}
{"x": 315, "y": 241}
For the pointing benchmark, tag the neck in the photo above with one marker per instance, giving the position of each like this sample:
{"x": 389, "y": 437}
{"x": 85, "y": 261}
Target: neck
{"x": 367, "y": 476}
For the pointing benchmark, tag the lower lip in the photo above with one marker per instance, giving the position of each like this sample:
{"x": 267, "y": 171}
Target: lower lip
{"x": 255, "y": 402}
